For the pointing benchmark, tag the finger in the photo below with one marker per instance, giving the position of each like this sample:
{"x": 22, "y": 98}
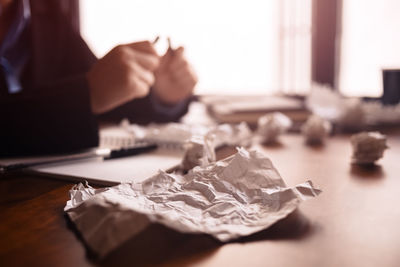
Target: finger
{"x": 147, "y": 61}
{"x": 176, "y": 54}
{"x": 129, "y": 55}
{"x": 184, "y": 72}
{"x": 180, "y": 63}
{"x": 139, "y": 88}
{"x": 187, "y": 82}
{"x": 179, "y": 51}
{"x": 143, "y": 46}
{"x": 170, "y": 56}
{"x": 143, "y": 74}
{"x": 166, "y": 60}
{"x": 180, "y": 73}
{"x": 184, "y": 87}
{"x": 178, "y": 58}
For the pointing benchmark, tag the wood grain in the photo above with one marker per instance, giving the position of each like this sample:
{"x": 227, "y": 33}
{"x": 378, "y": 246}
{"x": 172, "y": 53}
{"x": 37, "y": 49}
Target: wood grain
{"x": 354, "y": 222}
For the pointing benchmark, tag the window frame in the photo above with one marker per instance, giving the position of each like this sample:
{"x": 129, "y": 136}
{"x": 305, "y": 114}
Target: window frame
{"x": 326, "y": 28}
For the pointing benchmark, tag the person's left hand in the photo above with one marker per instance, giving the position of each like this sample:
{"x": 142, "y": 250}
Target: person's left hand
{"x": 174, "y": 77}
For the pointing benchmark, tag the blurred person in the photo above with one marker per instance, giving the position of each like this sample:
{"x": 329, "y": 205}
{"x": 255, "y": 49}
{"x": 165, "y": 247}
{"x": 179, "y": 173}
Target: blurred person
{"x": 53, "y": 90}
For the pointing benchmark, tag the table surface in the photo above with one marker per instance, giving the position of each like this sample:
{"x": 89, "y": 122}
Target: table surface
{"x": 354, "y": 222}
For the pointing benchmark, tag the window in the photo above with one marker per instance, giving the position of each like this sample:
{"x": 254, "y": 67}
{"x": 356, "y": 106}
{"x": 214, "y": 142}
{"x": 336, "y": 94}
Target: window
{"x": 235, "y": 46}
{"x": 370, "y": 42}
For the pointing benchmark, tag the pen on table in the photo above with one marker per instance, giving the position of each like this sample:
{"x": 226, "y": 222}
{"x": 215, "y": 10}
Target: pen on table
{"x": 105, "y": 153}
{"x": 126, "y": 152}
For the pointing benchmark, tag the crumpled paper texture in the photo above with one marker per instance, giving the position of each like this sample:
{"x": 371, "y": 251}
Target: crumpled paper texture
{"x": 315, "y": 129}
{"x": 351, "y": 113}
{"x": 368, "y": 147}
{"x": 178, "y": 134}
{"x": 231, "y": 134}
{"x": 198, "y": 152}
{"x": 234, "y": 197}
{"x": 272, "y": 125}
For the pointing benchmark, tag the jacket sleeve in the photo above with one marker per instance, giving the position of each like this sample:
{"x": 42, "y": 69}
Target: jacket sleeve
{"x": 53, "y": 113}
{"x": 146, "y": 110}
{"x": 57, "y": 121}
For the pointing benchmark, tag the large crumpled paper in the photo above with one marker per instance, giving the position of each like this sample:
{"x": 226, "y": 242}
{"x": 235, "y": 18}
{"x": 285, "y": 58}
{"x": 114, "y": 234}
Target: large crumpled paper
{"x": 237, "y": 196}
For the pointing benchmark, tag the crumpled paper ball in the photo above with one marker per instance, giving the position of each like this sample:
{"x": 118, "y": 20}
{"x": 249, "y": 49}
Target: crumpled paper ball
{"x": 272, "y": 125}
{"x": 231, "y": 135}
{"x": 368, "y": 147}
{"x": 198, "y": 152}
{"x": 352, "y": 115}
{"x": 315, "y": 129}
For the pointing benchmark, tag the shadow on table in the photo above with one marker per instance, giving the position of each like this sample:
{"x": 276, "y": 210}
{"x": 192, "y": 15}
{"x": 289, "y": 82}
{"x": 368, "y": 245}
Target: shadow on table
{"x": 294, "y": 226}
{"x": 317, "y": 145}
{"x": 277, "y": 144}
{"x": 368, "y": 171}
{"x": 159, "y": 244}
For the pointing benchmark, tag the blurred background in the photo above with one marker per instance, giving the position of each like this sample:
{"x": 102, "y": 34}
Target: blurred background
{"x": 261, "y": 47}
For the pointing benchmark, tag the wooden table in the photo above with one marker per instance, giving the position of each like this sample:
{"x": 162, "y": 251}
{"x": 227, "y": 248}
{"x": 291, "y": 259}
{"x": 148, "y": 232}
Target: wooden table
{"x": 354, "y": 222}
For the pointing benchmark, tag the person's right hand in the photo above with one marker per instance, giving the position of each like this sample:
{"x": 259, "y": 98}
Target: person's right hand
{"x": 125, "y": 73}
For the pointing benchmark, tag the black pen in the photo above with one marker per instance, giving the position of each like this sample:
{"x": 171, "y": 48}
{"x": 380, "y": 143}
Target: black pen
{"x": 130, "y": 151}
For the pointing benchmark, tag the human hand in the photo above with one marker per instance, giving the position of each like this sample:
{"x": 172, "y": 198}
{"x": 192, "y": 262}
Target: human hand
{"x": 125, "y": 73}
{"x": 174, "y": 78}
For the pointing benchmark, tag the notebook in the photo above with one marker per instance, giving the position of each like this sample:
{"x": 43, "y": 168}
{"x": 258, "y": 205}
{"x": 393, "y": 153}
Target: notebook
{"x": 114, "y": 171}
{"x": 98, "y": 171}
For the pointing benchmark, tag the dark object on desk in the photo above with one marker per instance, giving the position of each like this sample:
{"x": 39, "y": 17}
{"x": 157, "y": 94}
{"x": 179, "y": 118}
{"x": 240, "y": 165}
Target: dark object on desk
{"x": 131, "y": 151}
{"x": 391, "y": 86}
{"x": 48, "y": 160}
{"x": 105, "y": 153}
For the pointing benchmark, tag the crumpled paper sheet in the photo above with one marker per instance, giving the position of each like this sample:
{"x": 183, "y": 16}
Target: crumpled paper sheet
{"x": 234, "y": 197}
{"x": 315, "y": 129}
{"x": 271, "y": 125}
{"x": 176, "y": 135}
{"x": 198, "y": 152}
{"x": 352, "y": 113}
{"x": 330, "y": 105}
{"x": 231, "y": 134}
{"x": 368, "y": 147}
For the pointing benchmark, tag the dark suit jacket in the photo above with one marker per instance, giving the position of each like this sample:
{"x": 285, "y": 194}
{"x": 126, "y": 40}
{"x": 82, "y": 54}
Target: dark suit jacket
{"x": 52, "y": 113}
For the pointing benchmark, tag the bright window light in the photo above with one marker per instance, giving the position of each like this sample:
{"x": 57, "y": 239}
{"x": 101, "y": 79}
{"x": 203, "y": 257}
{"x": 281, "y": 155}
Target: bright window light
{"x": 234, "y": 45}
{"x": 370, "y": 43}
